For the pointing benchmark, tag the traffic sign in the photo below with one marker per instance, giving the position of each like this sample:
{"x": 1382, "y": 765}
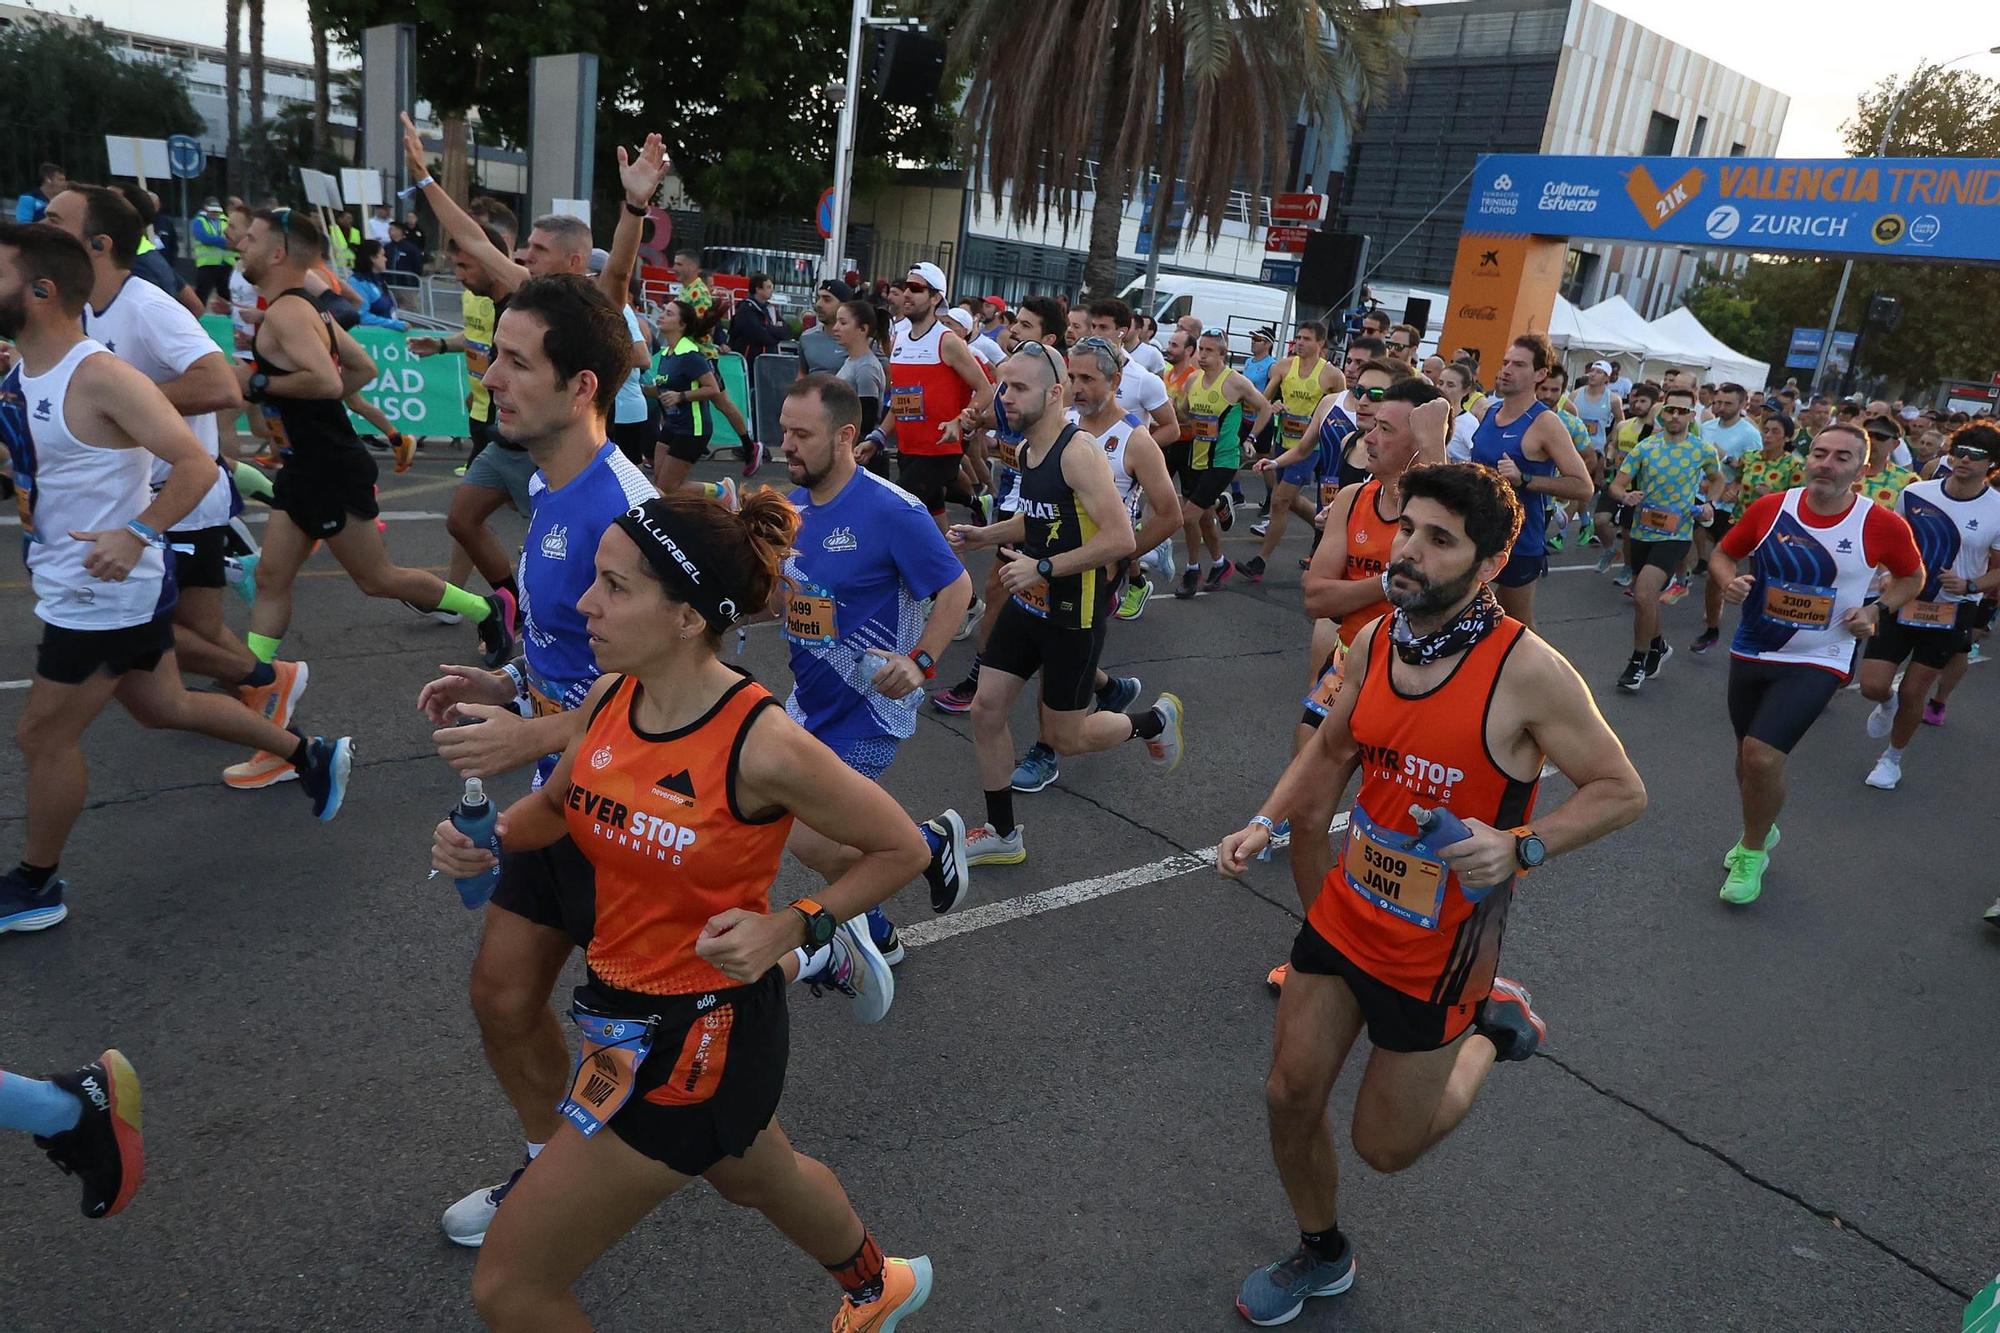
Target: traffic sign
{"x": 1286, "y": 240}
{"x": 823, "y": 215}
{"x": 185, "y": 157}
{"x": 1280, "y": 273}
{"x": 1304, "y": 206}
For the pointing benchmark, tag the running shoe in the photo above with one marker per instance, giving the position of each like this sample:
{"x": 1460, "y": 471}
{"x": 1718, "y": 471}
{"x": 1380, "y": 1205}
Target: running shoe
{"x": 275, "y": 702}
{"x": 262, "y": 769}
{"x": 982, "y": 505}
{"x": 1634, "y": 675}
{"x": 1132, "y": 602}
{"x": 1746, "y": 875}
{"x": 1218, "y": 574}
{"x": 1160, "y": 562}
{"x": 1881, "y": 718}
{"x": 984, "y": 847}
{"x": 1604, "y": 562}
{"x": 405, "y": 447}
{"x": 1253, "y": 569}
{"x": 458, "y": 471}
{"x": 1676, "y": 589}
{"x": 240, "y": 572}
{"x": 328, "y": 764}
{"x": 906, "y": 1285}
{"x": 1770, "y": 845}
{"x": 855, "y": 968}
{"x": 497, "y": 630}
{"x": 1225, "y": 513}
{"x": 1038, "y": 769}
{"x": 1623, "y": 579}
{"x": 1261, "y": 528}
{"x": 1275, "y": 1293}
{"x": 728, "y": 494}
{"x": 1275, "y": 978}
{"x": 1705, "y": 640}
{"x": 1121, "y": 693}
{"x": 949, "y": 873}
{"x": 883, "y": 931}
{"x": 466, "y": 1221}
{"x": 24, "y": 908}
{"x": 753, "y": 457}
{"x": 1190, "y": 583}
{"x": 957, "y": 699}
{"x": 1657, "y": 658}
{"x": 972, "y": 615}
{"x": 105, "y": 1149}
{"x": 1556, "y": 540}
{"x": 1888, "y": 771}
{"x": 1991, "y": 916}
{"x": 1165, "y": 749}
{"x": 442, "y": 616}
{"x": 1934, "y": 711}
{"x": 1507, "y": 1018}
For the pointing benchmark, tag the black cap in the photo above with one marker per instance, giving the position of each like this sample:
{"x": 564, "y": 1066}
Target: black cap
{"x": 841, "y": 291}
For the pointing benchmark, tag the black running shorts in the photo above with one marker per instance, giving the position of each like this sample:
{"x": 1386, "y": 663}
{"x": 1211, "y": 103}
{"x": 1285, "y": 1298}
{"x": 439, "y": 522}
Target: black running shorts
{"x": 205, "y": 565}
{"x": 1202, "y": 487}
{"x": 1023, "y": 643}
{"x": 690, "y": 449}
{"x": 72, "y": 656}
{"x": 1396, "y": 1022}
{"x": 320, "y": 489}
{"x": 1666, "y": 557}
{"x": 1777, "y": 702}
{"x": 1933, "y": 648}
{"x": 929, "y": 477}
{"x": 553, "y": 886}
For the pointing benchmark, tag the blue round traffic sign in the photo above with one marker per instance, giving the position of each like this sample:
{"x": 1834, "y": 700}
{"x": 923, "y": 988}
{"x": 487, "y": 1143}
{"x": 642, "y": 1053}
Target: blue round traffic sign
{"x": 823, "y": 215}
{"x": 185, "y": 157}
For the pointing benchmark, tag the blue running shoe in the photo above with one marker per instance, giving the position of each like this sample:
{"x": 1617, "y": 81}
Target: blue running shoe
{"x": 23, "y": 908}
{"x": 324, "y": 776}
{"x": 1277, "y": 1292}
{"x": 950, "y": 873}
{"x": 1120, "y": 694}
{"x": 1507, "y": 1019}
{"x": 1038, "y": 769}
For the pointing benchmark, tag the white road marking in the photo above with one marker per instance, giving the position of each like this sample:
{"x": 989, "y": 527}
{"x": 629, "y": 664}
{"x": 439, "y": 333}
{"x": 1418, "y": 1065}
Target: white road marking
{"x": 15, "y": 684}
{"x": 1068, "y": 895}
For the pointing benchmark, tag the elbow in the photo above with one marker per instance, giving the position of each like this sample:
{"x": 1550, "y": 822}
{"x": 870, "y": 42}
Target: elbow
{"x": 1317, "y": 597}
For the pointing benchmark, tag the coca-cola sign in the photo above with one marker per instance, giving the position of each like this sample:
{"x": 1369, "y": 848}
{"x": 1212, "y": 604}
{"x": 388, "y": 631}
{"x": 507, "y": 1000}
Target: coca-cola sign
{"x": 1488, "y": 313}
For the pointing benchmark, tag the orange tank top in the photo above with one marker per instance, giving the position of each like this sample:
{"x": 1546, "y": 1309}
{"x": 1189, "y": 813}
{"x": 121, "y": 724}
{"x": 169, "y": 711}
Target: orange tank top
{"x": 1369, "y": 537}
{"x": 657, "y": 818}
{"x": 1395, "y": 913}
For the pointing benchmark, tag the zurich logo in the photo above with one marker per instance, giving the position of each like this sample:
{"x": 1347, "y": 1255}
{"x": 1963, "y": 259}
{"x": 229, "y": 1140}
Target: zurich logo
{"x": 1723, "y": 222}
{"x": 1504, "y": 182}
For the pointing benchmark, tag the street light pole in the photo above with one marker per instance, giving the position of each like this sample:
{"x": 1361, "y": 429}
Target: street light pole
{"x": 843, "y": 145}
{"x": 1881, "y": 150}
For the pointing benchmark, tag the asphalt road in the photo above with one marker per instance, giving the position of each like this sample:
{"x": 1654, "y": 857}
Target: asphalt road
{"x": 1770, "y": 1118}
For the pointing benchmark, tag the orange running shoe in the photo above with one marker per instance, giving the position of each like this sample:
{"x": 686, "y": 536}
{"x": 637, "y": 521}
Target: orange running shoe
{"x": 906, "y": 1285}
{"x": 406, "y": 450}
{"x": 262, "y": 769}
{"x": 276, "y": 701}
{"x": 1275, "y": 979}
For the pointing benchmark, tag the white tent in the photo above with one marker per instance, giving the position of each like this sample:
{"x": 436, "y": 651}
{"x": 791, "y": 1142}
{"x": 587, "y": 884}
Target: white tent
{"x": 1577, "y": 334}
{"x": 1662, "y": 350}
{"x": 1681, "y": 328}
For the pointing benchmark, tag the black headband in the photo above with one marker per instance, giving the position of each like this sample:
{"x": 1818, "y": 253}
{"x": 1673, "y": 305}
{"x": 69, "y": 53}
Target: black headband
{"x": 668, "y": 545}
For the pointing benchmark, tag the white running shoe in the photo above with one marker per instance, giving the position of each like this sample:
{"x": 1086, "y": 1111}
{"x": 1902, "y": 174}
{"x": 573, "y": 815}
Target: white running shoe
{"x": 1888, "y": 771}
{"x": 972, "y": 615}
{"x": 1881, "y": 719}
{"x": 466, "y": 1221}
{"x": 856, "y": 968}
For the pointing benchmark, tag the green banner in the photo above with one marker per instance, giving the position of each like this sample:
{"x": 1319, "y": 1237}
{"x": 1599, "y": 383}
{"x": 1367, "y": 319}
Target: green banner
{"x": 1983, "y": 1314}
{"x": 421, "y": 395}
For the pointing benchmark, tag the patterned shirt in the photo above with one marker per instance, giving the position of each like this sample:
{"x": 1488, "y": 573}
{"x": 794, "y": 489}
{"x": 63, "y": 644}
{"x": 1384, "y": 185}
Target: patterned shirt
{"x": 1669, "y": 476}
{"x": 696, "y": 292}
{"x": 1762, "y": 475}
{"x": 1886, "y": 485}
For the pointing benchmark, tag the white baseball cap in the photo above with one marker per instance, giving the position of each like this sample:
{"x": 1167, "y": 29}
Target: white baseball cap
{"x": 959, "y": 318}
{"x": 929, "y": 274}
{"x": 1604, "y": 366}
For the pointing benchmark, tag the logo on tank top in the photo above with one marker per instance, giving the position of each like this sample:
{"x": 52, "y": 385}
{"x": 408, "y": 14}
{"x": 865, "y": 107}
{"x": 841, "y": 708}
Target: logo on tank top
{"x": 1845, "y": 546}
{"x": 555, "y": 542}
{"x": 1420, "y": 776}
{"x": 601, "y": 758}
{"x": 676, "y": 787}
{"x": 42, "y": 409}
{"x": 840, "y": 539}
{"x": 1361, "y": 537}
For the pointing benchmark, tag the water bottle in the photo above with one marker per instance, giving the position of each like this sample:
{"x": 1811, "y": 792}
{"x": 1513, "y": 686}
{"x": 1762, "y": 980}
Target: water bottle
{"x": 1438, "y": 829}
{"x": 871, "y": 667}
{"x": 475, "y": 817}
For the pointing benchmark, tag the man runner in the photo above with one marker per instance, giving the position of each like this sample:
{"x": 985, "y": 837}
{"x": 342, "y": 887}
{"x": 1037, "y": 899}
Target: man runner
{"x": 932, "y": 378}
{"x": 1216, "y": 398}
{"x": 1956, "y": 522}
{"x": 1812, "y": 552}
{"x": 1297, "y": 383}
{"x": 1667, "y": 480}
{"x": 1069, "y": 526}
{"x": 1734, "y": 437}
{"x": 1140, "y": 390}
{"x": 1525, "y": 442}
{"x": 78, "y": 425}
{"x": 1448, "y": 703}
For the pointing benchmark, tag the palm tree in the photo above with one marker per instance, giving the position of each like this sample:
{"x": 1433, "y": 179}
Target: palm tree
{"x": 1139, "y": 83}
{"x": 322, "y": 93}
{"x": 258, "y": 185}
{"x": 232, "y": 65}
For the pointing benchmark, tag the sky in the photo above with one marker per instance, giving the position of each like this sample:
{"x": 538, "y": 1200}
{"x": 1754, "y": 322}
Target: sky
{"x": 1791, "y": 45}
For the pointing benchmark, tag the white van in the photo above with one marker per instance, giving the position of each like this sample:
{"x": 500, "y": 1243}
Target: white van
{"x": 1394, "y": 301}
{"x": 1217, "y": 302}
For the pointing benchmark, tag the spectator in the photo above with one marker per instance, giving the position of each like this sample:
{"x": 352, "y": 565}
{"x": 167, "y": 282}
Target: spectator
{"x": 342, "y": 240}
{"x": 378, "y": 225}
{"x": 992, "y": 318}
{"x": 817, "y": 346}
{"x": 31, "y": 206}
{"x": 214, "y": 260}
{"x": 404, "y": 256}
{"x": 413, "y": 230}
{"x": 755, "y": 327}
{"x": 149, "y": 263}
{"x": 378, "y": 308}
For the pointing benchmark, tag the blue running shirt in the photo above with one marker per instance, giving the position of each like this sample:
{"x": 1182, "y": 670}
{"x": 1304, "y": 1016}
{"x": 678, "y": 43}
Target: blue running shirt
{"x": 865, "y": 567}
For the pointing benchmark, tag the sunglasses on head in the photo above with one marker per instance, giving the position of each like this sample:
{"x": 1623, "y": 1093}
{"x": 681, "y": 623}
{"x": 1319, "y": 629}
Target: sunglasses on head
{"x": 1881, "y": 435}
{"x": 1046, "y": 355}
{"x": 1212, "y": 332}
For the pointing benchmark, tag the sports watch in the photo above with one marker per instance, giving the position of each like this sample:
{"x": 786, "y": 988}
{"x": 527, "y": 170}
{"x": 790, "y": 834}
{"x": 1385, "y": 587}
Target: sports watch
{"x": 1529, "y": 849}
{"x": 925, "y": 663}
{"x": 820, "y": 924}
{"x": 254, "y": 391}
{"x": 1046, "y": 569}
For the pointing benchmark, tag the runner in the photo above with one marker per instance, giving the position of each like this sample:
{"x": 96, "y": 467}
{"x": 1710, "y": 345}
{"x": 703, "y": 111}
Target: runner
{"x": 1533, "y": 455}
{"x": 1812, "y": 552}
{"x": 89, "y": 1122}
{"x": 1771, "y": 469}
{"x": 1668, "y": 481}
{"x": 711, "y": 314}
{"x": 1459, "y": 716}
{"x": 1296, "y": 383}
{"x": 683, "y": 1013}
{"x": 79, "y": 426}
{"x": 1070, "y": 525}
{"x": 1141, "y": 391}
{"x": 1598, "y": 406}
{"x": 1882, "y": 477}
{"x": 168, "y": 346}
{"x": 1734, "y": 437}
{"x": 1553, "y": 393}
{"x": 1614, "y": 521}
{"x": 1956, "y": 522}
{"x": 1142, "y": 346}
{"x": 853, "y": 597}
{"x": 1216, "y": 401}
{"x": 932, "y": 378}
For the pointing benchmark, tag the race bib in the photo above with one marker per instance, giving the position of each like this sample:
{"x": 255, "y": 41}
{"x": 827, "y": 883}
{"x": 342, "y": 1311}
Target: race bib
{"x": 907, "y": 402}
{"x": 1928, "y": 615}
{"x": 810, "y": 618}
{"x": 274, "y": 427}
{"x": 478, "y": 358}
{"x": 1034, "y": 600}
{"x": 24, "y": 505}
{"x": 1009, "y": 452}
{"x": 1329, "y": 491}
{"x": 1659, "y": 520}
{"x": 613, "y": 1049}
{"x": 1207, "y": 429}
{"x": 1800, "y": 605}
{"x": 1385, "y": 868}
{"x": 1328, "y": 685}
{"x": 542, "y": 704}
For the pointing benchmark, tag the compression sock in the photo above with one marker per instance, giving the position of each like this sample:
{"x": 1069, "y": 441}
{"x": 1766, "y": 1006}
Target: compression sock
{"x": 42, "y": 1108}
{"x": 260, "y": 675}
{"x": 1148, "y": 725}
{"x": 468, "y": 604}
{"x": 37, "y": 877}
{"x": 1323, "y": 1244}
{"x": 1107, "y": 691}
{"x": 1000, "y": 810}
{"x": 861, "y": 1275}
{"x": 251, "y": 481}
{"x": 262, "y": 646}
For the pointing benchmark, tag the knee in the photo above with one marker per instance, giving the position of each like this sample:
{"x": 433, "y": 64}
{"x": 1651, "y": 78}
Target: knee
{"x": 504, "y": 1300}
{"x": 1875, "y": 690}
{"x": 989, "y": 714}
{"x": 1293, "y": 1103}
{"x": 1381, "y": 1151}
{"x": 269, "y": 582}
{"x": 1761, "y": 761}
{"x": 461, "y": 527}
{"x": 38, "y": 737}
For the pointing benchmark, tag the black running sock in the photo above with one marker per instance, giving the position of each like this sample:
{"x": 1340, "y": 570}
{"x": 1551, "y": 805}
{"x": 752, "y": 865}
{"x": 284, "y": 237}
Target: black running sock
{"x": 1000, "y": 810}
{"x": 1659, "y": 644}
{"x": 301, "y": 752}
{"x": 38, "y": 877}
{"x": 1148, "y": 725}
{"x": 1323, "y": 1244}
{"x": 1107, "y": 691}
{"x": 261, "y": 674}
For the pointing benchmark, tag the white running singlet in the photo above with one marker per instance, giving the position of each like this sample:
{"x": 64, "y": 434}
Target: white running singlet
{"x": 1806, "y": 580}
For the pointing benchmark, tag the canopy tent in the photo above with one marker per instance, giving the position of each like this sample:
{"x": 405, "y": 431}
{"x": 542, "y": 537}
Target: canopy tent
{"x": 1680, "y": 328}
{"x": 1661, "y": 349}
{"x": 1575, "y": 333}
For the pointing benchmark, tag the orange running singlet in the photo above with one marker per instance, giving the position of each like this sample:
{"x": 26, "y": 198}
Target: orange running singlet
{"x": 1369, "y": 537}
{"x": 656, "y": 816}
{"x": 1396, "y": 914}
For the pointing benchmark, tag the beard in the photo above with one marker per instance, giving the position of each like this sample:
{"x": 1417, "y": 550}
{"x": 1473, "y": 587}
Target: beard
{"x": 13, "y": 317}
{"x": 1429, "y": 598}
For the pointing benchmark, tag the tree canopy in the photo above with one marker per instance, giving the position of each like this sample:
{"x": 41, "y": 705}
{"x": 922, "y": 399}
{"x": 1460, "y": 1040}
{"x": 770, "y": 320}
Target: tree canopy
{"x": 68, "y": 86}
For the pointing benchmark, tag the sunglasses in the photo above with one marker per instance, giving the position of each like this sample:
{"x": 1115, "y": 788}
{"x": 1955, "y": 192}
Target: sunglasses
{"x": 1677, "y": 411}
{"x": 1048, "y": 356}
{"x": 1972, "y": 452}
{"x": 1881, "y": 435}
{"x": 914, "y": 287}
{"x": 1094, "y": 343}
{"x": 1374, "y": 395}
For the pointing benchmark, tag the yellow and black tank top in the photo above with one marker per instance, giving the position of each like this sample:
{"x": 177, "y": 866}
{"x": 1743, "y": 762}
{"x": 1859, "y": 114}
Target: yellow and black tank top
{"x": 1218, "y": 423}
{"x": 1055, "y": 522}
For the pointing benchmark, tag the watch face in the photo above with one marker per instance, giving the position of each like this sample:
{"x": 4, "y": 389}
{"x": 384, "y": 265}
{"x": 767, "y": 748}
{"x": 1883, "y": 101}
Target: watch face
{"x": 1533, "y": 851}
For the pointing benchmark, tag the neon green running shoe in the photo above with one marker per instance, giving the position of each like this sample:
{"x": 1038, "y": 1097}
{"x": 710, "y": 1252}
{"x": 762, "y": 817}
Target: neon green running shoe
{"x": 1770, "y": 845}
{"x": 1746, "y": 875}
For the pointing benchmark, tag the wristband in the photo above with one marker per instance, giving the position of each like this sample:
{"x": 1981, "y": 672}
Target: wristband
{"x": 513, "y": 673}
{"x": 876, "y": 437}
{"x": 636, "y": 210}
{"x": 426, "y": 182}
{"x": 145, "y": 534}
{"x": 1264, "y": 822}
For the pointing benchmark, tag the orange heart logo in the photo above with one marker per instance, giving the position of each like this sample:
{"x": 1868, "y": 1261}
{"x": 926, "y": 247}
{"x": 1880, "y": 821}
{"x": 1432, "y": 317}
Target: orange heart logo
{"x": 1656, "y": 203}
